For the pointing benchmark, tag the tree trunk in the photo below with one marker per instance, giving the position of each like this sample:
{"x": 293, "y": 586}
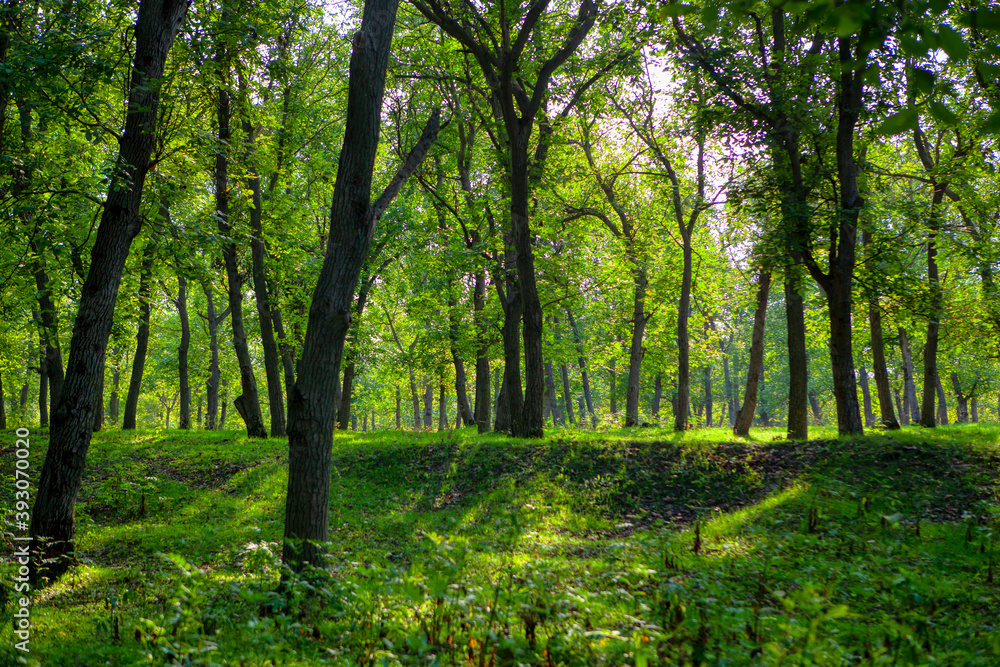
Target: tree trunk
{"x": 272, "y": 362}
{"x": 962, "y": 409}
{"x": 510, "y": 402}
{"x": 636, "y": 350}
{"x": 428, "y": 406}
{"x": 442, "y": 408}
{"x": 683, "y": 340}
{"x": 49, "y": 322}
{"x": 730, "y": 408}
{"x": 974, "y": 408}
{"x": 744, "y": 416}
{"x": 612, "y": 390}
{"x": 3, "y": 406}
{"x": 942, "y": 403}
{"x": 212, "y": 384}
{"x": 224, "y": 403}
{"x": 287, "y": 351}
{"x": 346, "y": 394}
{"x": 878, "y": 354}
{"x": 461, "y": 397}
{"x": 814, "y": 404}
{"x": 482, "y": 409}
{"x": 399, "y": 409}
{"x": 250, "y": 411}
{"x": 182, "y": 354}
{"x": 582, "y": 362}
{"x": 141, "y": 336}
{"x": 352, "y": 222}
{"x": 43, "y": 391}
{"x": 98, "y": 403}
{"x": 654, "y": 407}
{"x": 550, "y": 391}
{"x": 909, "y": 389}
{"x": 866, "y": 393}
{"x": 931, "y": 380}
{"x": 52, "y": 523}
{"x": 708, "y": 395}
{"x": 798, "y": 365}
{"x": 903, "y": 407}
{"x": 116, "y": 375}
{"x": 567, "y": 396}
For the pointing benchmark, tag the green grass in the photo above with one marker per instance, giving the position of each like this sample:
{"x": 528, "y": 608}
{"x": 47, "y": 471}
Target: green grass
{"x": 578, "y": 549}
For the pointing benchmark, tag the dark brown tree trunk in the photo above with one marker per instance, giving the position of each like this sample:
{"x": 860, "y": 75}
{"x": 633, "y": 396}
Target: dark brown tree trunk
{"x": 116, "y": 375}
{"x": 581, "y": 360}
{"x": 798, "y": 365}
{"x": 442, "y": 408}
{"x": 814, "y": 404}
{"x": 683, "y": 339}
{"x": 98, "y": 403}
{"x": 931, "y": 380}
{"x": 49, "y": 321}
{"x": 182, "y": 354}
{"x": 909, "y": 386}
{"x": 878, "y": 356}
{"x": 428, "y": 406}
{"x": 744, "y": 416}
{"x": 224, "y": 403}
{"x": 399, "y": 409}
{"x": 250, "y": 403}
{"x": 23, "y": 402}
{"x": 866, "y": 394}
{"x": 612, "y": 389}
{"x": 141, "y": 336}
{"x": 415, "y": 399}
{"x": 482, "y": 407}
{"x": 3, "y": 406}
{"x": 52, "y": 523}
{"x": 212, "y": 384}
{"x": 346, "y": 394}
{"x": 654, "y": 407}
{"x": 352, "y": 222}
{"x": 730, "y": 408}
{"x": 636, "y": 350}
{"x": 43, "y": 391}
{"x": 903, "y": 408}
{"x": 962, "y": 409}
{"x": 265, "y": 318}
{"x": 510, "y": 403}
{"x": 942, "y": 404}
{"x": 461, "y": 397}
{"x": 287, "y": 351}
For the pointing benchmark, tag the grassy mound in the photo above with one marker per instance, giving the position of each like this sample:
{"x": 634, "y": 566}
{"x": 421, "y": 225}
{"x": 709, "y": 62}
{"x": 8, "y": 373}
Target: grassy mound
{"x": 638, "y": 548}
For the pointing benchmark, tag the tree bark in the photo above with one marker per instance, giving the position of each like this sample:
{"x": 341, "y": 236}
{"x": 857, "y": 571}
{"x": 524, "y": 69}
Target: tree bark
{"x": 612, "y": 390}
{"x": 581, "y": 360}
{"x": 708, "y": 394}
{"x": 399, "y": 409}
{"x": 550, "y": 391}
{"x": 510, "y": 403}
{"x": 798, "y": 373}
{"x": 730, "y": 408}
{"x": 744, "y": 416}
{"x": 214, "y": 373}
{"x": 654, "y": 407}
{"x": 461, "y": 396}
{"x": 142, "y": 335}
{"x": 442, "y": 408}
{"x": 931, "y": 380}
{"x": 909, "y": 386}
{"x": 482, "y": 407}
{"x": 636, "y": 350}
{"x": 52, "y": 523}
{"x": 974, "y": 407}
{"x": 962, "y": 409}
{"x": 878, "y": 354}
{"x": 115, "y": 383}
{"x": 250, "y": 410}
{"x": 49, "y": 330}
{"x": 182, "y": 354}
{"x": 43, "y": 390}
{"x": 99, "y": 404}
{"x": 287, "y": 351}
{"x": 814, "y": 404}
{"x": 428, "y": 406}
{"x": 942, "y": 403}
{"x": 346, "y": 394}
{"x": 866, "y": 393}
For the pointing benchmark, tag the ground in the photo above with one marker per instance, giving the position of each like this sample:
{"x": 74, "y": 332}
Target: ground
{"x": 639, "y": 547}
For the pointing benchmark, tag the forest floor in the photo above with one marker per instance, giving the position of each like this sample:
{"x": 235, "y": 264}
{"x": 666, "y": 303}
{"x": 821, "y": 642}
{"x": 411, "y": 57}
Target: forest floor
{"x": 640, "y": 547}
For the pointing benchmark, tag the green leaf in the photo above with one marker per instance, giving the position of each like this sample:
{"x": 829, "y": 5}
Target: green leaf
{"x": 912, "y": 47}
{"x": 924, "y": 80}
{"x": 899, "y": 122}
{"x": 985, "y": 19}
{"x": 675, "y": 9}
{"x": 939, "y": 6}
{"x": 953, "y": 43}
{"x": 992, "y": 123}
{"x": 943, "y": 114}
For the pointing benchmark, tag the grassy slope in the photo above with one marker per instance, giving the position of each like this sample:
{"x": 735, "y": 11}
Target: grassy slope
{"x": 582, "y": 542}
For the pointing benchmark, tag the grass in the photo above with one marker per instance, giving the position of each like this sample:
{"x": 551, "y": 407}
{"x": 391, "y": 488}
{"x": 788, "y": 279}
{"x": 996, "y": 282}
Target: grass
{"x": 638, "y": 547}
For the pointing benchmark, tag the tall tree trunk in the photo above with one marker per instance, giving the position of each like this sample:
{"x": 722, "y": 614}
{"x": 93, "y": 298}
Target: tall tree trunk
{"x": 931, "y": 380}
{"x": 730, "y": 408}
{"x": 814, "y": 404}
{"x": 224, "y": 403}
{"x": 142, "y": 335}
{"x": 909, "y": 389}
{"x": 428, "y": 406}
{"x": 878, "y": 354}
{"x": 461, "y": 397}
{"x": 567, "y": 395}
{"x": 212, "y": 384}
{"x": 636, "y": 350}
{"x": 182, "y": 354}
{"x": 903, "y": 407}
{"x": 974, "y": 408}
{"x": 99, "y": 404}
{"x": 744, "y": 416}
{"x": 482, "y": 408}
{"x": 798, "y": 365}
{"x": 49, "y": 321}
{"x": 550, "y": 391}
{"x": 265, "y": 318}
{"x": 581, "y": 360}
{"x": 116, "y": 374}
{"x": 942, "y": 403}
{"x": 3, "y": 405}
{"x": 43, "y": 391}
{"x": 866, "y": 393}
{"x": 683, "y": 339}
{"x": 962, "y": 409}
{"x": 654, "y": 407}
{"x": 399, "y": 409}
{"x": 442, "y": 408}
{"x": 353, "y": 217}
{"x": 346, "y": 394}
{"x": 510, "y": 402}
{"x": 52, "y": 524}
{"x": 612, "y": 389}
{"x": 287, "y": 351}
{"x": 248, "y": 401}
{"x": 708, "y": 394}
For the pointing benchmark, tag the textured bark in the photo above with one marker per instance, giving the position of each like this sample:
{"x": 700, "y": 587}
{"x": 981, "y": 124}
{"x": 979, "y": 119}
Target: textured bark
{"x": 250, "y": 410}
{"x": 182, "y": 354}
{"x": 98, "y": 403}
{"x": 942, "y": 403}
{"x": 442, "y": 408}
{"x": 636, "y": 350}
{"x": 878, "y": 354}
{"x": 399, "y": 409}
{"x": 928, "y": 414}
{"x": 43, "y": 391}
{"x": 461, "y": 396}
{"x": 346, "y": 394}
{"x": 974, "y": 409}
{"x": 707, "y": 375}
{"x": 730, "y": 408}
{"x": 510, "y": 402}
{"x": 962, "y": 400}
{"x": 654, "y": 407}
{"x": 581, "y": 360}
{"x": 744, "y": 416}
{"x": 798, "y": 373}
{"x": 287, "y": 351}
{"x": 428, "y": 406}
{"x": 52, "y": 523}
{"x": 212, "y": 384}
{"x": 49, "y": 330}
{"x": 612, "y": 389}
{"x": 482, "y": 406}
{"x": 272, "y": 361}
{"x": 116, "y": 374}
{"x": 141, "y": 336}
{"x": 909, "y": 385}
{"x": 814, "y": 404}
{"x": 866, "y": 393}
